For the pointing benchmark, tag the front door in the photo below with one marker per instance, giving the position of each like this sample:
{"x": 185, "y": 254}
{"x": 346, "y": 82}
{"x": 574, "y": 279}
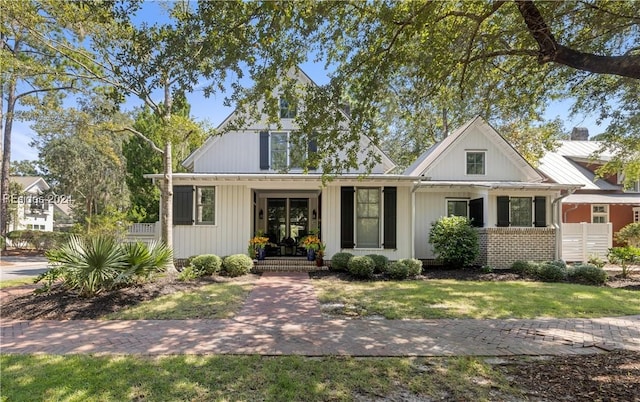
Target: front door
{"x": 287, "y": 218}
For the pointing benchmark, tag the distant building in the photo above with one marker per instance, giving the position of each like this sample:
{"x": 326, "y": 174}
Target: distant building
{"x": 30, "y": 209}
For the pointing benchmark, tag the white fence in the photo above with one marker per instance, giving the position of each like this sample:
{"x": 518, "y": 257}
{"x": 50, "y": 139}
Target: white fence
{"x": 583, "y": 240}
{"x": 143, "y": 232}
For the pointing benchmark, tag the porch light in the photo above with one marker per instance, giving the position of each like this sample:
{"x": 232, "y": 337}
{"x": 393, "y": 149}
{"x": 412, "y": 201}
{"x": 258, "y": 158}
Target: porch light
{"x": 314, "y": 214}
{"x": 261, "y": 214}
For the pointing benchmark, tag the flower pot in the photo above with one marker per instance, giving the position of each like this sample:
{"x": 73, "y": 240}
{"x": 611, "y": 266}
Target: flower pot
{"x": 319, "y": 262}
{"x": 311, "y": 255}
{"x": 262, "y": 253}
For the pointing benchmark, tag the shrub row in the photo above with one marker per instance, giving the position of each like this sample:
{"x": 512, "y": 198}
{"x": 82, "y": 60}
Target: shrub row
{"x": 557, "y": 271}
{"x": 37, "y": 239}
{"x": 92, "y": 265}
{"x": 364, "y": 267}
{"x": 210, "y": 264}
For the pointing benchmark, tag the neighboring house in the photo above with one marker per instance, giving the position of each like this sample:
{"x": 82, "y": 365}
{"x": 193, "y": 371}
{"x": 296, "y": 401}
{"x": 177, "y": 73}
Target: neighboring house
{"x": 236, "y": 189}
{"x": 599, "y": 200}
{"x": 30, "y": 209}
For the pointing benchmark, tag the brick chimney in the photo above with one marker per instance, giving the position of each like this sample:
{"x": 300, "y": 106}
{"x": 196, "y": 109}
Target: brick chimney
{"x": 580, "y": 134}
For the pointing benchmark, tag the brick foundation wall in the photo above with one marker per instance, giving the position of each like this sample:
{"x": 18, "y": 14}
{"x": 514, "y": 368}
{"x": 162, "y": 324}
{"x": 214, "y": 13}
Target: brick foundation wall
{"x": 501, "y": 247}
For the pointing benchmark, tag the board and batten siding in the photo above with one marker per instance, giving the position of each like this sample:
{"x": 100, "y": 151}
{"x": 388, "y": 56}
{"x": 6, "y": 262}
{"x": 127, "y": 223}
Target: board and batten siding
{"x": 452, "y": 164}
{"x": 429, "y": 207}
{"x": 331, "y": 222}
{"x": 239, "y": 151}
{"x": 230, "y": 234}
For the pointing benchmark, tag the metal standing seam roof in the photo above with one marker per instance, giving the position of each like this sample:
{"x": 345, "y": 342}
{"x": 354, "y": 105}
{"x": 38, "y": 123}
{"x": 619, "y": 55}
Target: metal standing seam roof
{"x": 561, "y": 168}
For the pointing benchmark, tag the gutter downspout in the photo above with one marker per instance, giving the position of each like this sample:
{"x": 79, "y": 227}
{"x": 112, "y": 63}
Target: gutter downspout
{"x": 556, "y": 208}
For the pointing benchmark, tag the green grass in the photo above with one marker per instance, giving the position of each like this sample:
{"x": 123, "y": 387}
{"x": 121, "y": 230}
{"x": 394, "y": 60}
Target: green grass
{"x": 246, "y": 378}
{"x": 469, "y": 299}
{"x": 16, "y": 282}
{"x": 220, "y": 300}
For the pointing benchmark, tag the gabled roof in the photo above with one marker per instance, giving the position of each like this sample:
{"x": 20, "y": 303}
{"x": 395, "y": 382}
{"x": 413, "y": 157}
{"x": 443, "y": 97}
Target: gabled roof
{"x": 562, "y": 165}
{"x": 431, "y": 156}
{"x": 29, "y": 183}
{"x": 303, "y": 78}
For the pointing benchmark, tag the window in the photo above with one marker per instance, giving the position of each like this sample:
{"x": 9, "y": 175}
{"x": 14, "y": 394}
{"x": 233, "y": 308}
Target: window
{"x": 205, "y": 205}
{"x": 457, "y": 208}
{"x": 35, "y": 227}
{"x": 521, "y": 212}
{"x": 475, "y": 163}
{"x": 599, "y": 213}
{"x": 368, "y": 217}
{"x": 286, "y": 151}
{"x": 288, "y": 109}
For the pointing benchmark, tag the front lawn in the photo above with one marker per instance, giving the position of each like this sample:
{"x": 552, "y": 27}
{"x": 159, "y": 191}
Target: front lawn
{"x": 9, "y": 283}
{"x": 443, "y": 298}
{"x": 248, "y": 378}
{"x": 220, "y": 300}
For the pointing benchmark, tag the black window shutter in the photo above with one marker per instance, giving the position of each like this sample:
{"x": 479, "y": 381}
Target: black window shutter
{"x": 390, "y": 217}
{"x": 346, "y": 217}
{"x": 264, "y": 150}
{"x": 476, "y": 212}
{"x": 182, "y": 205}
{"x": 540, "y": 212}
{"x": 503, "y": 211}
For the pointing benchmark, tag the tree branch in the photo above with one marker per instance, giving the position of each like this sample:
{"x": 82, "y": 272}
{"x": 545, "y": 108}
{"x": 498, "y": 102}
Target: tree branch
{"x": 141, "y": 136}
{"x": 43, "y": 90}
{"x": 550, "y": 51}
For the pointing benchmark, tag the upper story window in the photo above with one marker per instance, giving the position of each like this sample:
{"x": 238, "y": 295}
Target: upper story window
{"x": 285, "y": 152}
{"x": 288, "y": 108}
{"x": 599, "y": 213}
{"x": 476, "y": 163}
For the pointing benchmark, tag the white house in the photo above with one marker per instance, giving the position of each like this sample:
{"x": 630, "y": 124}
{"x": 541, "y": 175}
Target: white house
{"x": 30, "y": 209}
{"x": 236, "y": 189}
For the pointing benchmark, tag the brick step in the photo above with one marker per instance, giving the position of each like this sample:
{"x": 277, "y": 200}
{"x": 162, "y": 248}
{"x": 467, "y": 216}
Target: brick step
{"x": 292, "y": 264}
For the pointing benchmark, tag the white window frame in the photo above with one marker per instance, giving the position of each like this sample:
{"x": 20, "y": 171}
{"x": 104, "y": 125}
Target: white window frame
{"x": 484, "y": 162}
{"x": 199, "y": 205}
{"x": 288, "y": 151}
{"x": 287, "y": 111}
{"x": 446, "y": 205}
{"x": 600, "y": 214}
{"x": 380, "y": 218}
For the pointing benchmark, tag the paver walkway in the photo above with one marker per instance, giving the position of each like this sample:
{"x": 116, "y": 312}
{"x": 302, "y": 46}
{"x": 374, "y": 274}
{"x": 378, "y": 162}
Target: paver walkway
{"x": 282, "y": 316}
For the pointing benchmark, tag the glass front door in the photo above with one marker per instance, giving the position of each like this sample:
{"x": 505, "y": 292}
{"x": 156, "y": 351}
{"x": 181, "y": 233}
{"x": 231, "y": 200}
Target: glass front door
{"x": 287, "y": 218}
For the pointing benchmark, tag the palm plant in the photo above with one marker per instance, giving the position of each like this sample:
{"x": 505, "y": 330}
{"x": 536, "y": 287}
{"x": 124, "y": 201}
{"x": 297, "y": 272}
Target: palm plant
{"x": 144, "y": 260}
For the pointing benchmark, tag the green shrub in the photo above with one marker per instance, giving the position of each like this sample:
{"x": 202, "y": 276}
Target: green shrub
{"x": 527, "y": 268}
{"x": 207, "y": 264}
{"x": 397, "y": 270}
{"x": 624, "y": 256}
{"x": 597, "y": 261}
{"x": 486, "y": 269}
{"x": 551, "y": 272}
{"x": 189, "y": 273}
{"x": 588, "y": 274}
{"x": 380, "y": 262}
{"x": 629, "y": 235}
{"x": 89, "y": 266}
{"x": 145, "y": 260}
{"x": 455, "y": 241}
{"x": 340, "y": 261}
{"x": 237, "y": 265}
{"x": 414, "y": 266}
{"x": 361, "y": 267}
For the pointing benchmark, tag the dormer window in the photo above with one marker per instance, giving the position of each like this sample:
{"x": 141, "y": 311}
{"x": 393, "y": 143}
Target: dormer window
{"x": 476, "y": 162}
{"x": 288, "y": 108}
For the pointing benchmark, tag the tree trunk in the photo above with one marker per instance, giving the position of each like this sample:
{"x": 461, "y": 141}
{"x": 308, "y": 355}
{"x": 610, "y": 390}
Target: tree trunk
{"x": 167, "y": 199}
{"x": 6, "y": 156}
